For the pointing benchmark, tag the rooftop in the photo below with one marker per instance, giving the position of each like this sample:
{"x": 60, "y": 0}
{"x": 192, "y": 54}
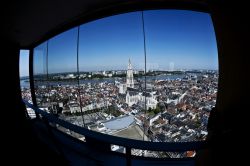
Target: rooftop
{"x": 119, "y": 123}
{"x": 132, "y": 132}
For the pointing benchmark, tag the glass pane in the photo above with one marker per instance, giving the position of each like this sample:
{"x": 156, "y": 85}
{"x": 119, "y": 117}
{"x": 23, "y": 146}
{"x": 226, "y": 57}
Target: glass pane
{"x": 24, "y": 75}
{"x": 182, "y": 64}
{"x": 111, "y": 64}
{"x": 63, "y": 76}
{"x": 24, "y": 80}
{"x": 40, "y": 76}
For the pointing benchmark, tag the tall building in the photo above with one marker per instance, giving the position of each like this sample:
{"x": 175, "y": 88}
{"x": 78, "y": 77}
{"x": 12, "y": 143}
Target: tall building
{"x": 130, "y": 77}
{"x": 171, "y": 66}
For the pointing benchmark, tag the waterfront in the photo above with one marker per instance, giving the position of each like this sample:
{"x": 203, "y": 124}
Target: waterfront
{"x": 26, "y": 84}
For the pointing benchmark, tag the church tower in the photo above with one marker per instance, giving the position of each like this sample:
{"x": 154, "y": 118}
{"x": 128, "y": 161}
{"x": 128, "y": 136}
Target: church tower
{"x": 130, "y": 77}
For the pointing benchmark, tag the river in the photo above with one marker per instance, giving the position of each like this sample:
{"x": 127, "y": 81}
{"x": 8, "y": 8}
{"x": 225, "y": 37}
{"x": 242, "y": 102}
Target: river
{"x": 26, "y": 83}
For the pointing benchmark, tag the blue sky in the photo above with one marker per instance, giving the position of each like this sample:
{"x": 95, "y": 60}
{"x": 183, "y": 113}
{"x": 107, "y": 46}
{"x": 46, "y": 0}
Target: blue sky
{"x": 24, "y": 63}
{"x": 184, "y": 39}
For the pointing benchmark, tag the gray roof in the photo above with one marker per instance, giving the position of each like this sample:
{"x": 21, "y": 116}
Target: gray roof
{"x": 119, "y": 123}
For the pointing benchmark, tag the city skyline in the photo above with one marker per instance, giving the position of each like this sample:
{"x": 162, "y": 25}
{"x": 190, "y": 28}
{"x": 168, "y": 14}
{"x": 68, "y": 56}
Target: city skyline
{"x": 183, "y": 38}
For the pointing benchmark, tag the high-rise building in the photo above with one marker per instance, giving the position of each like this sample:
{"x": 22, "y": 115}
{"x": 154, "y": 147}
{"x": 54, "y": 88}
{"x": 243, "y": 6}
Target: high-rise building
{"x": 130, "y": 77}
{"x": 171, "y": 66}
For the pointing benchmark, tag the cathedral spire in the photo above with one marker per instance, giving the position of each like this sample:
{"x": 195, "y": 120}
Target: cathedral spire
{"x": 130, "y": 77}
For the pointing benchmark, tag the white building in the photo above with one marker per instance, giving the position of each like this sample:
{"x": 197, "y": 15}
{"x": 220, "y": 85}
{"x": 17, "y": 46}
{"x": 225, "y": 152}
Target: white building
{"x": 122, "y": 88}
{"x": 70, "y": 76}
{"x": 133, "y": 97}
